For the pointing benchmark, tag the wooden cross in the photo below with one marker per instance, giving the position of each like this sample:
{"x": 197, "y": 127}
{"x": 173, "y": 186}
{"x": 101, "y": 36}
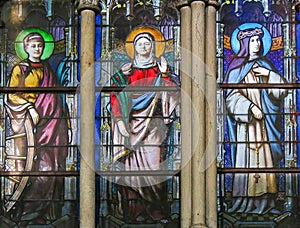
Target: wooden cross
{"x": 256, "y": 176}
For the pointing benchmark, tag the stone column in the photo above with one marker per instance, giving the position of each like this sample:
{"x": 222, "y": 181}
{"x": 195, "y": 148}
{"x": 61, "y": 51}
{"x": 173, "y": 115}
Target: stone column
{"x": 87, "y": 115}
{"x": 198, "y": 114}
{"x": 211, "y": 136}
{"x": 186, "y": 110}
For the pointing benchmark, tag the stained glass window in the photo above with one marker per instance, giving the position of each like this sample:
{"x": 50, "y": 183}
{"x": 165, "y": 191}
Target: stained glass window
{"x": 137, "y": 115}
{"x": 38, "y": 103}
{"x": 257, "y": 119}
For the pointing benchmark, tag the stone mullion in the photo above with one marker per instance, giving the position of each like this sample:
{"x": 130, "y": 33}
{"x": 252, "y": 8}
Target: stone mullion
{"x": 186, "y": 118}
{"x": 87, "y": 115}
{"x": 211, "y": 136}
{"x": 198, "y": 114}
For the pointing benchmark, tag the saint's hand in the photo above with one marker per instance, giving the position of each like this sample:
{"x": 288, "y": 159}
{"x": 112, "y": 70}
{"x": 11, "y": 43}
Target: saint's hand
{"x": 122, "y": 128}
{"x": 162, "y": 65}
{"x": 261, "y": 71}
{"x": 70, "y": 136}
{"x": 257, "y": 113}
{"x": 127, "y": 69}
{"x": 34, "y": 115}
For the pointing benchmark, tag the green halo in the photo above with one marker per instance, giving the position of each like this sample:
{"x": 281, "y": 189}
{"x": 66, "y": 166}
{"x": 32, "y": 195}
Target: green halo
{"x": 48, "y": 38}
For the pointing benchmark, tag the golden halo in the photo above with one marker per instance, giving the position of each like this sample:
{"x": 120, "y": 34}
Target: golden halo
{"x": 158, "y": 37}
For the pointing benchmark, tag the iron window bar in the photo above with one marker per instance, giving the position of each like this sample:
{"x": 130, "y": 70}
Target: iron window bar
{"x": 74, "y": 89}
{"x": 98, "y": 173}
{"x": 139, "y": 173}
{"x": 39, "y": 173}
{"x": 136, "y": 88}
{"x": 257, "y": 170}
{"x": 55, "y": 89}
{"x": 259, "y": 85}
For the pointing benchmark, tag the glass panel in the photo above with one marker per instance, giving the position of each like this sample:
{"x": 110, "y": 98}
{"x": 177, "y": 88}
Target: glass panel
{"x": 38, "y": 136}
{"x": 138, "y": 117}
{"x": 257, "y": 121}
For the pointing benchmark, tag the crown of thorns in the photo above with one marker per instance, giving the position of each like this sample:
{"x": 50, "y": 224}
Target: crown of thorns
{"x": 244, "y": 34}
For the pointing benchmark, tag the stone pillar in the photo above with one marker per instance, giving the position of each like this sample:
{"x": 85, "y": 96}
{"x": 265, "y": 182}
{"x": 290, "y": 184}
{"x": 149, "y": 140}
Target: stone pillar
{"x": 87, "y": 115}
{"x": 198, "y": 114}
{"x": 186, "y": 110}
{"x": 211, "y": 136}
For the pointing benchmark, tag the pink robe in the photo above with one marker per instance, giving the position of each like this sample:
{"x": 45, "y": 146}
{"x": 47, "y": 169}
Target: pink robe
{"x": 51, "y": 145}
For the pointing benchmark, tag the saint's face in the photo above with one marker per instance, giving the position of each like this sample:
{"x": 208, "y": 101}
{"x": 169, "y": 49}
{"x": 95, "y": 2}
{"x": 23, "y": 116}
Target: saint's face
{"x": 254, "y": 45}
{"x": 34, "y": 49}
{"x": 143, "y": 47}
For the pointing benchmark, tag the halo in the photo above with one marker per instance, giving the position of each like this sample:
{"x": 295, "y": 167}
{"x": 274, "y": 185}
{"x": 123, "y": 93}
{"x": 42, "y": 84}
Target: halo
{"x": 158, "y": 37}
{"x": 266, "y": 39}
{"x": 48, "y": 38}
